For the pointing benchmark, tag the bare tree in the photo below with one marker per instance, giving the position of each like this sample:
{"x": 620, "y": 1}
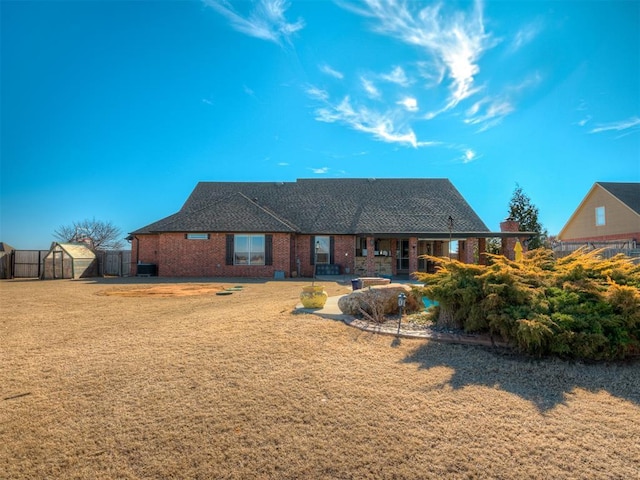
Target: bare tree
{"x": 96, "y": 234}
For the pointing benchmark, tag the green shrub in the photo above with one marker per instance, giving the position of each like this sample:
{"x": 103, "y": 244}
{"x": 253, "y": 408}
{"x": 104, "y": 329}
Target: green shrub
{"x": 579, "y": 306}
{"x": 534, "y": 335}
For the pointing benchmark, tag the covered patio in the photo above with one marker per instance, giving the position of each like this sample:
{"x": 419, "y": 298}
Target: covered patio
{"x": 402, "y": 254}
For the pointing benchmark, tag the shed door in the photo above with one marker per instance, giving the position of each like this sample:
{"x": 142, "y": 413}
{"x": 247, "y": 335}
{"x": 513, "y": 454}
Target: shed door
{"x": 58, "y": 264}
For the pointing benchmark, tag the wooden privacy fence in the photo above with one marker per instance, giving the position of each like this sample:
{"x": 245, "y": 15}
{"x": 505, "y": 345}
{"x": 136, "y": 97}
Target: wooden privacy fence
{"x": 607, "y": 252}
{"x": 26, "y": 263}
{"x": 30, "y": 263}
{"x": 114, "y": 263}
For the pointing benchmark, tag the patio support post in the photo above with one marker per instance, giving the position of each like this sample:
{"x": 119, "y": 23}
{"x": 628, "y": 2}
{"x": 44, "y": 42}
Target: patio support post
{"x": 467, "y": 250}
{"x": 394, "y": 256}
{"x": 482, "y": 249}
{"x": 371, "y": 257}
{"x": 508, "y": 244}
{"x": 413, "y": 254}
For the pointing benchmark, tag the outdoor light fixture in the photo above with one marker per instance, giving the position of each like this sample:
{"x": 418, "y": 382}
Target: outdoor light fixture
{"x": 402, "y": 301}
{"x": 346, "y": 268}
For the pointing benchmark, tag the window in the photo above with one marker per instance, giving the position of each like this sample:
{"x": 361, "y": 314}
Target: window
{"x": 323, "y": 249}
{"x": 249, "y": 250}
{"x": 600, "y": 218}
{"x": 383, "y": 248}
{"x": 361, "y": 247}
{"x": 244, "y": 249}
{"x": 197, "y": 236}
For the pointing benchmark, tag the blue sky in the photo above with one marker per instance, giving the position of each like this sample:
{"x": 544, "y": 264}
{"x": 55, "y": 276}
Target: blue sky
{"x": 114, "y": 110}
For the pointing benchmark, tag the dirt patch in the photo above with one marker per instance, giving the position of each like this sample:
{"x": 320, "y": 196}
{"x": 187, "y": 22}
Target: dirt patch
{"x": 171, "y": 290}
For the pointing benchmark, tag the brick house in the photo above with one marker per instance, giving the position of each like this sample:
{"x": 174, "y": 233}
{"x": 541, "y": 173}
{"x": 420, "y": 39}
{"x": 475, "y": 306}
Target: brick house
{"x": 609, "y": 215}
{"x": 343, "y": 226}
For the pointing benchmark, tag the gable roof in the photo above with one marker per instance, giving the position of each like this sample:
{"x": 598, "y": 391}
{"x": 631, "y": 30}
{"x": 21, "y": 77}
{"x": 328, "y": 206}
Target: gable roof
{"x": 5, "y": 248}
{"x": 329, "y": 206}
{"x": 233, "y": 212}
{"x": 627, "y": 193}
{"x": 74, "y": 250}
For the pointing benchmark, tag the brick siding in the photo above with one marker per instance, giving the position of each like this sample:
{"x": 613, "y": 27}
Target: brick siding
{"x": 177, "y": 256}
{"x": 343, "y": 253}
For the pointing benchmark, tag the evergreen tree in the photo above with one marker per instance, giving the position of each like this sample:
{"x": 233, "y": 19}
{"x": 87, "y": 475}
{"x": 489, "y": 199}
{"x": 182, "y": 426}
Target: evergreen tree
{"x": 526, "y": 214}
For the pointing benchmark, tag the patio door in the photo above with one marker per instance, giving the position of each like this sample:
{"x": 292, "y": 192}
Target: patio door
{"x": 402, "y": 256}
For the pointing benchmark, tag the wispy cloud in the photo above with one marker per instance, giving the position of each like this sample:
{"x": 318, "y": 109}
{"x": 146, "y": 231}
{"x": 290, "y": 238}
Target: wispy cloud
{"x": 370, "y": 88}
{"x": 282, "y": 164}
{"x": 320, "y": 171}
{"x": 317, "y": 93}
{"x": 469, "y": 156}
{"x": 456, "y": 40}
{"x": 362, "y": 119}
{"x": 489, "y": 111}
{"x": 525, "y": 36}
{"x": 617, "y": 126}
{"x": 582, "y": 106}
{"x": 432, "y": 72}
{"x": 266, "y": 20}
{"x": 584, "y": 121}
{"x": 410, "y": 103}
{"x": 397, "y": 76}
{"x": 331, "y": 72}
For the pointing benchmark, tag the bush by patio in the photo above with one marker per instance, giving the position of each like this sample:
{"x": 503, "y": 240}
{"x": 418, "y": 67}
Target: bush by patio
{"x": 580, "y": 306}
{"x": 377, "y": 302}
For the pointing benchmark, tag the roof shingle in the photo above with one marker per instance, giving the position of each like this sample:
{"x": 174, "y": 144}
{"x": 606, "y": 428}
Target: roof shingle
{"x": 627, "y": 193}
{"x": 316, "y": 206}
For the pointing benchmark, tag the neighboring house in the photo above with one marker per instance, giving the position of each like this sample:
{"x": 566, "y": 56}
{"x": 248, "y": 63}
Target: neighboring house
{"x": 609, "y": 215}
{"x": 282, "y": 229}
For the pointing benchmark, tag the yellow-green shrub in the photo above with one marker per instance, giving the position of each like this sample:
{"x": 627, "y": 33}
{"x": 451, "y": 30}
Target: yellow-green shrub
{"x": 580, "y": 306}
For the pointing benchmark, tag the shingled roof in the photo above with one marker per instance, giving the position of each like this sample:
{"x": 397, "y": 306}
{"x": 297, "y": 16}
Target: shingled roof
{"x": 627, "y": 193}
{"x": 324, "y": 206}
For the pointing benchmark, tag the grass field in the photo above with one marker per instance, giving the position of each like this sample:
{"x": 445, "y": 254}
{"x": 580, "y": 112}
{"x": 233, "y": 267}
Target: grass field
{"x": 145, "y": 378}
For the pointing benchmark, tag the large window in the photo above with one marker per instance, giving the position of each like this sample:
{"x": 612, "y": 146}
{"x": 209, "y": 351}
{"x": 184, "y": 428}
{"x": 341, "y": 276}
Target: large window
{"x": 323, "y": 249}
{"x": 600, "y": 217}
{"x": 249, "y": 250}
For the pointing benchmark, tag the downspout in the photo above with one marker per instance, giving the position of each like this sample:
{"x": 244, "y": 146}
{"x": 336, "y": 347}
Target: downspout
{"x": 295, "y": 259}
{"x": 137, "y": 249}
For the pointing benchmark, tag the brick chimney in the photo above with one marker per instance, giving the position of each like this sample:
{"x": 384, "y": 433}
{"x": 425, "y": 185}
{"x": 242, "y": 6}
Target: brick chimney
{"x": 508, "y": 244}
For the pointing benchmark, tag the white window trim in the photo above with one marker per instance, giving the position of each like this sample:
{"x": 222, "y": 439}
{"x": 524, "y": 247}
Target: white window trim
{"x": 249, "y": 235}
{"x": 601, "y": 216}
{"x": 320, "y": 257}
{"x": 197, "y": 236}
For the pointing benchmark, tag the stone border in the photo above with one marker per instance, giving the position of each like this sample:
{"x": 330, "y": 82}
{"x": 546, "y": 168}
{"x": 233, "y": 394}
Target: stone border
{"x": 332, "y": 312}
{"x": 445, "y": 337}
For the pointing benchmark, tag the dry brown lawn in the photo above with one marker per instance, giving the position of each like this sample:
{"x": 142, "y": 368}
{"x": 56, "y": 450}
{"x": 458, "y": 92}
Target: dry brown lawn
{"x": 100, "y": 379}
